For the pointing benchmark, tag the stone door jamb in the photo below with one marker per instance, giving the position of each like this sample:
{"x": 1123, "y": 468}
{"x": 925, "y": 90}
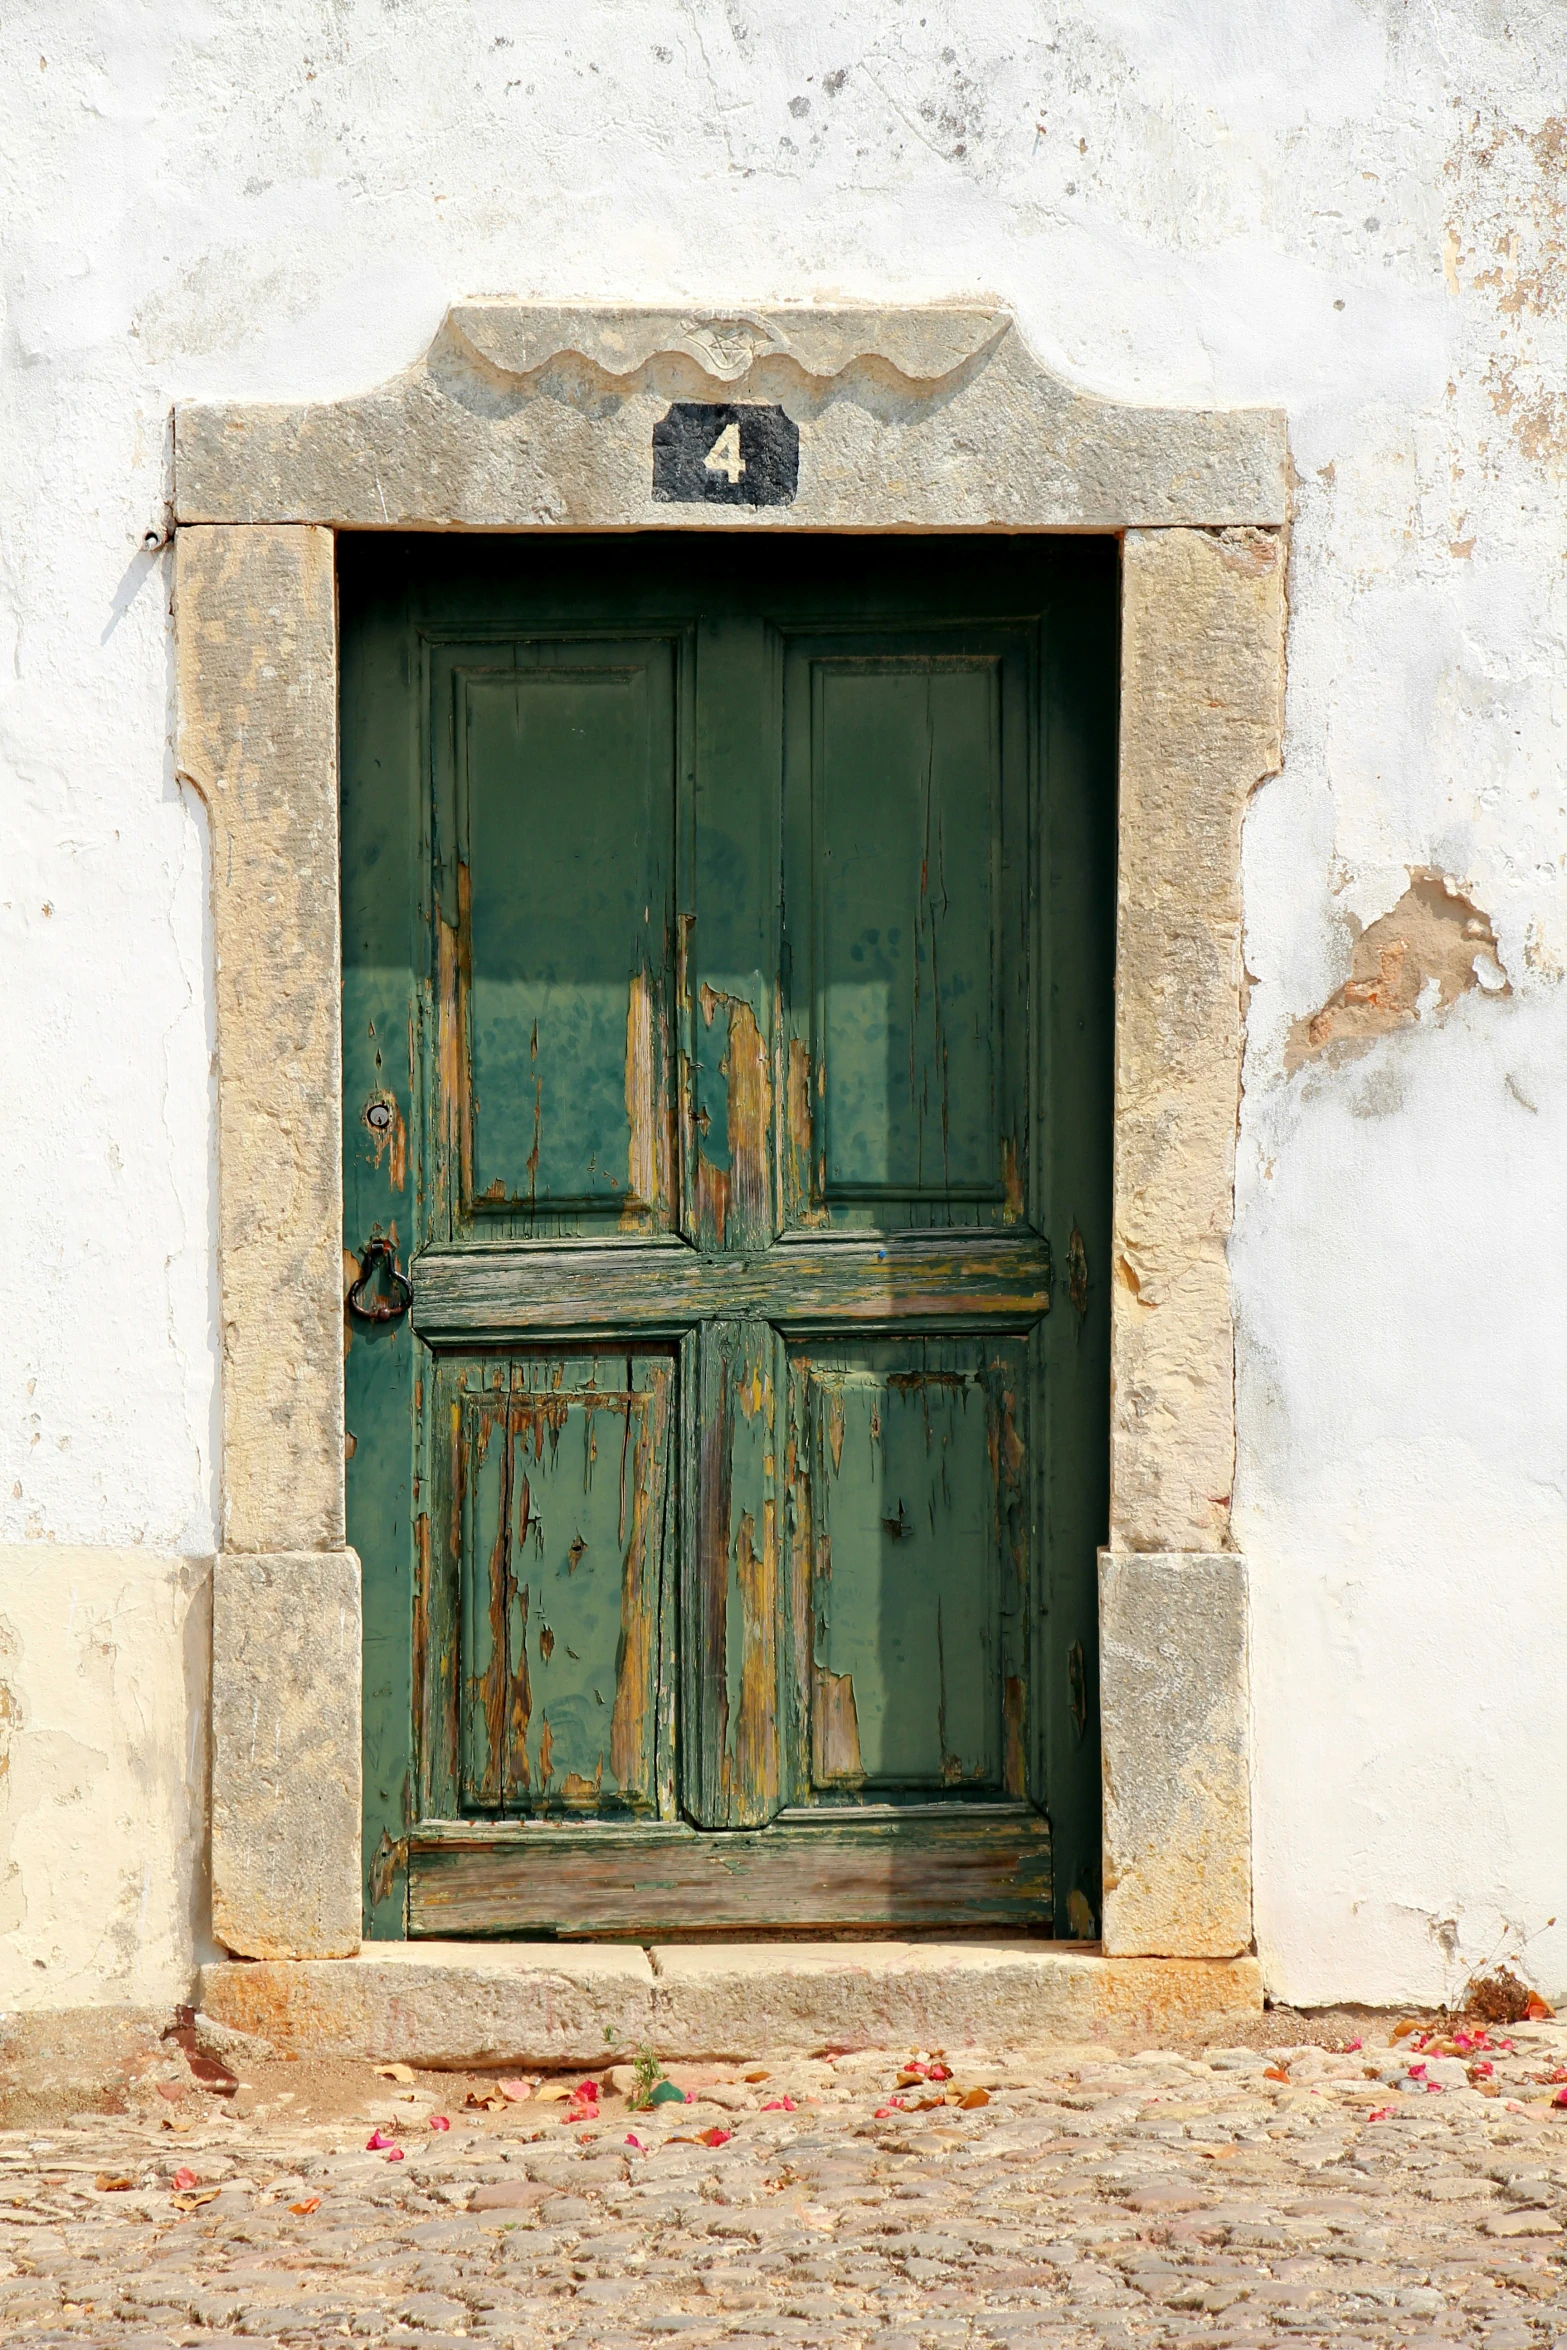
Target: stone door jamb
{"x": 524, "y": 418}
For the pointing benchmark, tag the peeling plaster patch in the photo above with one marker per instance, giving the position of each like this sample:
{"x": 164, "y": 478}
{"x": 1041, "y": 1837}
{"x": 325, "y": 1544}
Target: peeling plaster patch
{"x": 1507, "y": 239}
{"x": 1413, "y": 962}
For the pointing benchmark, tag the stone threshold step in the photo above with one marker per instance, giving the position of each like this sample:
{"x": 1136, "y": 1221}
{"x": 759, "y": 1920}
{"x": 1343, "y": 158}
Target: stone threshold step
{"x": 454, "y": 2004}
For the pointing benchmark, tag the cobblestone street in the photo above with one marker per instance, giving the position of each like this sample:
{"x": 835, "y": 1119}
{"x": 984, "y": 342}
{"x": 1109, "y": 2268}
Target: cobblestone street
{"x": 1208, "y": 2195}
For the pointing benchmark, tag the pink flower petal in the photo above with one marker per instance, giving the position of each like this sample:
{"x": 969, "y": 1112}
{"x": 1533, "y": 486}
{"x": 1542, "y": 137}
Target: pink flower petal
{"x": 438, "y": 2121}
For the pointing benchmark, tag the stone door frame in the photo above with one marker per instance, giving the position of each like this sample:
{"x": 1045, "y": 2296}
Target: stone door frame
{"x": 521, "y": 418}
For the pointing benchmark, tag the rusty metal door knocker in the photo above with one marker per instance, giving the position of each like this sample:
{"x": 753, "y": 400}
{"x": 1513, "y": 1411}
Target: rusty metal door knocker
{"x": 380, "y": 1309}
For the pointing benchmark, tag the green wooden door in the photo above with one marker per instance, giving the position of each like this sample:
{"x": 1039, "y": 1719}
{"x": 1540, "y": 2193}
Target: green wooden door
{"x": 728, "y": 961}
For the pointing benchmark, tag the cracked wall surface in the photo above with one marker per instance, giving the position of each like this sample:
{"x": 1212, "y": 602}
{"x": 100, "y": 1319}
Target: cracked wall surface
{"x": 1351, "y": 210}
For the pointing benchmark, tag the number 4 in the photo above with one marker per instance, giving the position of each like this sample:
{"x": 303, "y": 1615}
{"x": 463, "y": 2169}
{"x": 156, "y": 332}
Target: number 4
{"x": 724, "y": 456}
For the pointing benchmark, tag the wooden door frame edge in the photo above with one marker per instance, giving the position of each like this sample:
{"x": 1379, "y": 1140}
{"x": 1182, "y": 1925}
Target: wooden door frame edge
{"x": 524, "y": 418}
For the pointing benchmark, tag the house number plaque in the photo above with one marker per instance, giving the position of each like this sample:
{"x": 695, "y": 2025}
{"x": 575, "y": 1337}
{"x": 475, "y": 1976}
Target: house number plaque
{"x": 716, "y": 454}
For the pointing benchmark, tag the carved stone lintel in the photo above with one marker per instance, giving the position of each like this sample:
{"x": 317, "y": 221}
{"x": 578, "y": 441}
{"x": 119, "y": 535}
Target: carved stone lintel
{"x": 522, "y": 417}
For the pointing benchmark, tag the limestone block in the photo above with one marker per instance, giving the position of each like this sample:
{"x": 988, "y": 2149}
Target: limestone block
{"x": 446, "y": 2003}
{"x": 286, "y": 1767}
{"x": 1174, "y": 1702}
{"x": 257, "y": 670}
{"x": 457, "y": 2004}
{"x": 913, "y": 418}
{"x": 1202, "y": 680}
{"x": 729, "y": 1999}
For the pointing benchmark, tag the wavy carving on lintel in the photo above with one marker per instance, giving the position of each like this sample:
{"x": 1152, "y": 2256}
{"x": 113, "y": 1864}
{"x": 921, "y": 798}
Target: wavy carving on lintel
{"x": 922, "y": 345}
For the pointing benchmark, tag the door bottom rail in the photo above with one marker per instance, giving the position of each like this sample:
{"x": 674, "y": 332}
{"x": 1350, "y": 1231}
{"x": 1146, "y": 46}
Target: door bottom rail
{"x": 907, "y": 1869}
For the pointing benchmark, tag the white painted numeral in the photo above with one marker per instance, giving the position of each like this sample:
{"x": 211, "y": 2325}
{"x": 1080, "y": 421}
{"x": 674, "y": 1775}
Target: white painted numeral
{"x": 724, "y": 456}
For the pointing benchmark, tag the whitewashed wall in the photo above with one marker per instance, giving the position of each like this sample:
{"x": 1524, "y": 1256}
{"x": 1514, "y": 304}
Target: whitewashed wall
{"x": 1354, "y": 208}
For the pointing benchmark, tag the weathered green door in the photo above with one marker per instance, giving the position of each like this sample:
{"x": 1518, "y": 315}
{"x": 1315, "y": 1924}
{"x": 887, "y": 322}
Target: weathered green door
{"x": 727, "y": 980}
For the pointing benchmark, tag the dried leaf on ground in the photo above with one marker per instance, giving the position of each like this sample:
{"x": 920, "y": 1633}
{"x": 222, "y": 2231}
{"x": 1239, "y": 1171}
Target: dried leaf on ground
{"x": 394, "y": 2072}
{"x": 112, "y": 2183}
{"x": 303, "y": 2210}
{"x": 1501, "y": 1998}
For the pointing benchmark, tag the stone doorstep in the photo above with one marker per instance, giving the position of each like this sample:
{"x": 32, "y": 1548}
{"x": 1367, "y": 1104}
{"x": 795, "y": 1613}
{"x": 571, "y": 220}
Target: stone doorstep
{"x": 452, "y": 2004}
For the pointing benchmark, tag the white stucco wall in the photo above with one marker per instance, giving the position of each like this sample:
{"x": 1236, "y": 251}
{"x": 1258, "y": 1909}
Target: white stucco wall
{"x": 1354, "y": 208}
{"x": 105, "y": 1657}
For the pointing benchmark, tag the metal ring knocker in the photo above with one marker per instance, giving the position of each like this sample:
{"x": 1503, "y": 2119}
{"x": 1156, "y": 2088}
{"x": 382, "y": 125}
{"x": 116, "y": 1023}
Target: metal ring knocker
{"x": 380, "y": 1309}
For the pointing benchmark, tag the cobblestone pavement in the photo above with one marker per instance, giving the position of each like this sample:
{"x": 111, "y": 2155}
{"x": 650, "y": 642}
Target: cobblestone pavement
{"x": 1201, "y": 2196}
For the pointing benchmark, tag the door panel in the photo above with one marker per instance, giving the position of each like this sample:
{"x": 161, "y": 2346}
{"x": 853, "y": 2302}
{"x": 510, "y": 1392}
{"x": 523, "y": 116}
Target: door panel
{"x": 556, "y": 1503}
{"x": 556, "y": 1069}
{"x": 728, "y": 1499}
{"x": 914, "y": 1494}
{"x": 910, "y": 952}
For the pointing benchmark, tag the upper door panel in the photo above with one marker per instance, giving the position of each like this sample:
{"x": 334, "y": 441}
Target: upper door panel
{"x": 909, "y": 956}
{"x": 554, "y": 861}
